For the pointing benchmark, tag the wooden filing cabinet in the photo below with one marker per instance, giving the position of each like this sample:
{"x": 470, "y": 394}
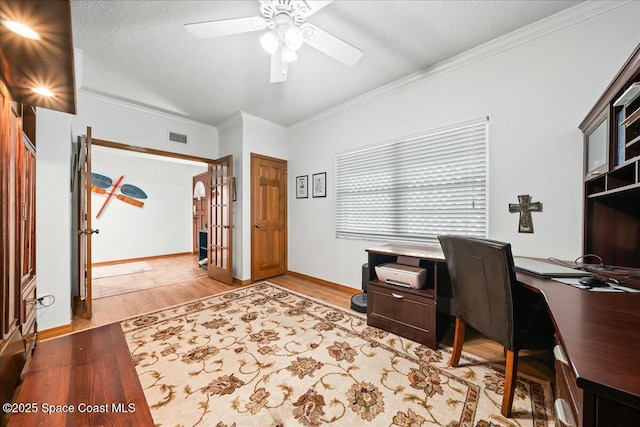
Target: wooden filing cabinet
{"x": 406, "y": 312}
{"x": 416, "y": 314}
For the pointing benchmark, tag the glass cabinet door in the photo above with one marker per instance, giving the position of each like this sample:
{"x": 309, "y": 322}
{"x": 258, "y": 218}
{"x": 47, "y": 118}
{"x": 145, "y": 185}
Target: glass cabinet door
{"x": 597, "y": 152}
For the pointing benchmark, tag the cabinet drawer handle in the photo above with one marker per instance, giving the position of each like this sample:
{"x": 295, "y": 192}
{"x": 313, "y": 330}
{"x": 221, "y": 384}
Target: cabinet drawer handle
{"x": 560, "y": 355}
{"x": 396, "y": 296}
{"x": 563, "y": 413}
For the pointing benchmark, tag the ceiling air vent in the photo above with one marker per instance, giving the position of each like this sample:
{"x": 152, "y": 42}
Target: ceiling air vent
{"x": 177, "y": 137}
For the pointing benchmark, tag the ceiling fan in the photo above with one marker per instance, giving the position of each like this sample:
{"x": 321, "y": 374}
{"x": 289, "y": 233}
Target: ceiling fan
{"x": 288, "y": 30}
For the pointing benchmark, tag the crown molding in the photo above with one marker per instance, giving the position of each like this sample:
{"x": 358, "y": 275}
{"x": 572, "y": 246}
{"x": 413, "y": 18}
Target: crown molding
{"x": 230, "y": 122}
{"x": 246, "y": 117}
{"x": 154, "y": 112}
{"x": 553, "y": 23}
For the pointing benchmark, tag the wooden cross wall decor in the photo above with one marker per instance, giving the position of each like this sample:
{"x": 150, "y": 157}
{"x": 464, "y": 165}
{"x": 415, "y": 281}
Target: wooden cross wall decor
{"x": 525, "y": 207}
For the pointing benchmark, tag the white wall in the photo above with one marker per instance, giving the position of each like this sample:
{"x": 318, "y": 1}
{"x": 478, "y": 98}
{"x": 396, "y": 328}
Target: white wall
{"x": 110, "y": 120}
{"x": 268, "y": 139}
{"x": 242, "y": 135}
{"x": 535, "y": 93}
{"x": 53, "y": 216}
{"x": 124, "y": 123}
{"x": 231, "y": 144}
{"x": 163, "y": 225}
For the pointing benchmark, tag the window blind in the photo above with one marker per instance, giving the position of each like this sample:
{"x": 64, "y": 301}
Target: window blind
{"x": 415, "y": 188}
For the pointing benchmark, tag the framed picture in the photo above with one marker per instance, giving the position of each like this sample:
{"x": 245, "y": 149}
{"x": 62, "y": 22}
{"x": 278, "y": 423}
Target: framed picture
{"x": 302, "y": 187}
{"x": 320, "y": 184}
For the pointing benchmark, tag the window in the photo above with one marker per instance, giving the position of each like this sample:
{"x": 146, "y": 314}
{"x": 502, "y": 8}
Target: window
{"x": 415, "y": 188}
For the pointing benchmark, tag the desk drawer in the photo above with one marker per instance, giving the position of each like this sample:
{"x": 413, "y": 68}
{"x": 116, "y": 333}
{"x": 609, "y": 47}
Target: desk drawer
{"x": 566, "y": 386}
{"x": 404, "y": 313}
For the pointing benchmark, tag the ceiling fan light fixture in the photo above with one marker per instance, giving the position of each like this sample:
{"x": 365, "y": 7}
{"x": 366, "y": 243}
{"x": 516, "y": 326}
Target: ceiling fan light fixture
{"x": 293, "y": 38}
{"x": 288, "y": 55}
{"x": 270, "y": 41}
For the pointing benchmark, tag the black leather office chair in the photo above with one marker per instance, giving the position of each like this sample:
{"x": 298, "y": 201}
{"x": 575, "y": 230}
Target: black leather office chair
{"x": 489, "y": 299}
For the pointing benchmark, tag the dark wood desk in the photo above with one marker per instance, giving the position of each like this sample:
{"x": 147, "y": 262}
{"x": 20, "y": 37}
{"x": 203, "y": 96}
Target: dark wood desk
{"x": 600, "y": 334}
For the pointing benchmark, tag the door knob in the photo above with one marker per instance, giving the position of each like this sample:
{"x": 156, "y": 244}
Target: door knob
{"x": 88, "y": 231}
{"x": 257, "y": 225}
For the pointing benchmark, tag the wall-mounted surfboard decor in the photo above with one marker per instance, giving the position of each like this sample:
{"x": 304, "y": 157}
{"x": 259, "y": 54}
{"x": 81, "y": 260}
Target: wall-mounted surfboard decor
{"x": 101, "y": 184}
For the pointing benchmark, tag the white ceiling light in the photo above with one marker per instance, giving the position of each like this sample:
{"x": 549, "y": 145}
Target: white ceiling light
{"x": 288, "y": 55}
{"x": 43, "y": 91}
{"x": 22, "y": 30}
{"x": 286, "y": 33}
{"x": 293, "y": 37}
{"x": 270, "y": 41}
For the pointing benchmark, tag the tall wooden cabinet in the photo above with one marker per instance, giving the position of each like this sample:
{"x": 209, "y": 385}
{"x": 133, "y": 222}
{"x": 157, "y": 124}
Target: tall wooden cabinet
{"x": 17, "y": 250}
{"x": 612, "y": 170}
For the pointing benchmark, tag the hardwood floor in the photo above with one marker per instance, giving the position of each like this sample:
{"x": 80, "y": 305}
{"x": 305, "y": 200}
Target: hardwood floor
{"x": 89, "y": 353}
{"x": 186, "y": 281}
{"x": 83, "y": 379}
{"x": 118, "y": 307}
{"x": 164, "y": 271}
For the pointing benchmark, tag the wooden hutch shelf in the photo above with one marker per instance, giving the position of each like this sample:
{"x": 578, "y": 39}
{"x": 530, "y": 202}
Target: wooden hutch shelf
{"x": 622, "y": 178}
{"x": 612, "y": 170}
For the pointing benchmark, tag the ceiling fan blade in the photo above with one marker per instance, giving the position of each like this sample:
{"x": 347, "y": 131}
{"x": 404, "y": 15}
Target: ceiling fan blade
{"x": 315, "y": 5}
{"x": 279, "y": 68}
{"x": 225, "y": 27}
{"x": 331, "y": 45}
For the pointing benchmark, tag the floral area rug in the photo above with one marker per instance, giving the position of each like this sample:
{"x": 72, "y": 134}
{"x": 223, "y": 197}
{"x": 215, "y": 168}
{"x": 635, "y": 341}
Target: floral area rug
{"x": 266, "y": 356}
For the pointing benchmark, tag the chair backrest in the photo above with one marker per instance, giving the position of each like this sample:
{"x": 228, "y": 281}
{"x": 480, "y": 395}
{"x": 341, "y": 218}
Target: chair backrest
{"x": 482, "y": 276}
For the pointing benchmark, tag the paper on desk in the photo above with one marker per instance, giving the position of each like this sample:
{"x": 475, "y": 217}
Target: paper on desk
{"x": 576, "y": 284}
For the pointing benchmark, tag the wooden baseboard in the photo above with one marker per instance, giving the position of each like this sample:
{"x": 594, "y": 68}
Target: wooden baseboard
{"x": 121, "y": 261}
{"x": 241, "y": 282}
{"x": 333, "y": 285}
{"x": 54, "y": 332}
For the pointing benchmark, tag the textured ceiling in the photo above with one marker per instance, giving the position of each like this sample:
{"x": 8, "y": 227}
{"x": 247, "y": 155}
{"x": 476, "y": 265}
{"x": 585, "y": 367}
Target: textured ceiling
{"x": 139, "y": 51}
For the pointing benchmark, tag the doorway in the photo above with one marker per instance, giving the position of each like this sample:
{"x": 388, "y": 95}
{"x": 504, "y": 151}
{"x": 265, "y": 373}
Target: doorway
{"x": 124, "y": 233}
{"x": 268, "y": 216}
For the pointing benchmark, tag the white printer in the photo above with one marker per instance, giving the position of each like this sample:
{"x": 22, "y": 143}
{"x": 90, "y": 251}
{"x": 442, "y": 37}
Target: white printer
{"x": 403, "y": 275}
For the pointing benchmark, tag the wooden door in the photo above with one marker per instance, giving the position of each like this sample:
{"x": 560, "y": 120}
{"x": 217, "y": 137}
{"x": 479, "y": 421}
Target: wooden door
{"x": 220, "y": 220}
{"x": 84, "y": 308}
{"x": 199, "y": 207}
{"x": 269, "y": 217}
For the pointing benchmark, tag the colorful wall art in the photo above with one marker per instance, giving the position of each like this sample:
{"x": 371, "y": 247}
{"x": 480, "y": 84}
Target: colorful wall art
{"x": 129, "y": 193}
